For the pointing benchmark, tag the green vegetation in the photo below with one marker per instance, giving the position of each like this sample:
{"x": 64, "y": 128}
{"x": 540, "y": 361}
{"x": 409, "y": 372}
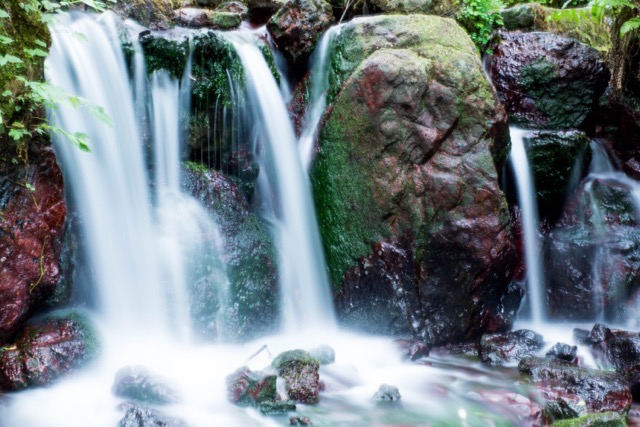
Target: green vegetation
{"x": 24, "y": 44}
{"x": 480, "y": 18}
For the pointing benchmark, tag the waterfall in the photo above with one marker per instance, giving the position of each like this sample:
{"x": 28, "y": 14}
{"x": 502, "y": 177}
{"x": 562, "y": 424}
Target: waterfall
{"x": 318, "y": 101}
{"x": 303, "y": 277}
{"x": 530, "y": 224}
{"x": 144, "y": 242}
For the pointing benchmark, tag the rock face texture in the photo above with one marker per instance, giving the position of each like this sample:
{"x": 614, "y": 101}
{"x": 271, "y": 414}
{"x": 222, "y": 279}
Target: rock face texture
{"x": 45, "y": 351}
{"x": 415, "y": 228}
{"x": 31, "y": 230}
{"x": 298, "y": 25}
{"x": 547, "y": 81}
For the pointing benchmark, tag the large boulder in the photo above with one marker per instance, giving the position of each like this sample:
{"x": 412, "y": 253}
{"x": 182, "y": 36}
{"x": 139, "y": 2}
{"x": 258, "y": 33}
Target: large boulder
{"x": 300, "y": 373}
{"x": 496, "y": 349}
{"x": 298, "y": 25}
{"x": 247, "y": 388}
{"x": 31, "y": 231}
{"x": 192, "y": 17}
{"x": 415, "y": 228}
{"x": 153, "y": 14}
{"x": 252, "y": 308}
{"x": 46, "y": 350}
{"x": 547, "y": 81}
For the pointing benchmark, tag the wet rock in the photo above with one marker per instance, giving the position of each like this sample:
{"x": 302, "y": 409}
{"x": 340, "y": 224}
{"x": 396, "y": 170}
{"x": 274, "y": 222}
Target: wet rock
{"x": 326, "y": 355}
{"x": 46, "y": 350}
{"x": 412, "y": 349}
{"x": 415, "y": 228}
{"x": 300, "y": 421}
{"x": 560, "y": 405}
{"x": 204, "y": 18}
{"x": 234, "y": 7}
{"x": 522, "y": 16}
{"x": 139, "y": 384}
{"x": 298, "y": 25}
{"x": 136, "y": 416}
{"x": 249, "y": 257}
{"x": 247, "y": 388}
{"x": 300, "y": 373}
{"x": 593, "y": 256}
{"x": 387, "y": 394}
{"x": 615, "y": 348}
{"x": 556, "y": 158}
{"x": 509, "y": 347}
{"x": 276, "y": 407}
{"x": 547, "y": 81}
{"x": 459, "y": 349}
{"x": 601, "y": 391}
{"x": 153, "y": 14}
{"x": 33, "y": 218}
{"x": 563, "y": 351}
{"x": 632, "y": 168}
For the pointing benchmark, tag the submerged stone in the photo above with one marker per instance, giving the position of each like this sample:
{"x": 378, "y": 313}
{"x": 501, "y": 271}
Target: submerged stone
{"x": 387, "y": 394}
{"x": 140, "y": 384}
{"x": 277, "y": 407}
{"x": 300, "y": 373}
{"x": 137, "y": 416}
{"x": 415, "y": 228}
{"x": 300, "y": 421}
{"x": 563, "y": 351}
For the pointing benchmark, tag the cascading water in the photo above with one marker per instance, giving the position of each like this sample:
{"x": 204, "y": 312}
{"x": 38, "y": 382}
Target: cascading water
{"x": 530, "y": 224}
{"x": 304, "y": 281}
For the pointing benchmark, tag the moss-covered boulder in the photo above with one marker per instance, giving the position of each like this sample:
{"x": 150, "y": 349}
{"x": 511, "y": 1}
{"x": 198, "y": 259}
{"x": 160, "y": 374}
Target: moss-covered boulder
{"x": 427, "y": 7}
{"x": 606, "y": 419}
{"x": 298, "y": 25}
{"x": 249, "y": 388}
{"x": 415, "y": 228}
{"x": 191, "y": 17}
{"x": 547, "y": 81}
{"x": 45, "y": 351}
{"x": 153, "y": 14}
{"x": 556, "y": 159}
{"x": 250, "y": 259}
{"x": 300, "y": 373}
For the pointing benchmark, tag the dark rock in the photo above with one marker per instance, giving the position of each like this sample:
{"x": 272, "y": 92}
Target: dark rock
{"x": 563, "y": 351}
{"x": 632, "y": 168}
{"x": 139, "y": 384}
{"x": 416, "y": 231}
{"x": 32, "y": 227}
{"x": 300, "y": 421}
{"x": 249, "y": 257}
{"x": 522, "y": 16}
{"x": 615, "y": 348}
{"x": 300, "y": 373}
{"x": 298, "y": 25}
{"x": 556, "y": 158}
{"x": 247, "y": 388}
{"x": 276, "y": 407}
{"x": 325, "y": 354}
{"x": 204, "y": 18}
{"x": 547, "y": 81}
{"x": 153, "y": 14}
{"x": 412, "y": 349}
{"x": 387, "y": 394}
{"x": 45, "y": 351}
{"x": 136, "y": 416}
{"x": 601, "y": 391}
{"x": 509, "y": 347}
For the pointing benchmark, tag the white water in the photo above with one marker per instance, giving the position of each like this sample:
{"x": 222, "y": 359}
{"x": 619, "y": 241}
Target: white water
{"x": 530, "y": 225}
{"x": 304, "y": 280}
{"x": 319, "y": 87}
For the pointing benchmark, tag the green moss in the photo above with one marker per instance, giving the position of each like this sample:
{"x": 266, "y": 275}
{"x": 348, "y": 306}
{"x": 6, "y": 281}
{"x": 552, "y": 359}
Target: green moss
{"x": 538, "y": 74}
{"x": 26, "y": 31}
{"x": 606, "y": 419}
{"x": 225, "y": 20}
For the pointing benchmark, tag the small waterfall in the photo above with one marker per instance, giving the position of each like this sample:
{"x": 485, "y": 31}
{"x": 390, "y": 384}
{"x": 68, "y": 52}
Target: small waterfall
{"x": 146, "y": 245}
{"x": 318, "y": 102}
{"x": 286, "y": 189}
{"x": 530, "y": 224}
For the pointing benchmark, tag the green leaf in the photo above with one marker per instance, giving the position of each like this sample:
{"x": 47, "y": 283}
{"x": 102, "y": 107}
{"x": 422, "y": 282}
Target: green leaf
{"x": 629, "y": 26}
{"x": 35, "y": 52}
{"x": 4, "y": 14}
{"x": 40, "y": 43}
{"x": 9, "y": 59}
{"x": 5, "y": 39}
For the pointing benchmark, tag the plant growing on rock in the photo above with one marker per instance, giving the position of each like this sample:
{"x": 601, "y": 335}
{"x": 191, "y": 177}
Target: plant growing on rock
{"x": 480, "y": 18}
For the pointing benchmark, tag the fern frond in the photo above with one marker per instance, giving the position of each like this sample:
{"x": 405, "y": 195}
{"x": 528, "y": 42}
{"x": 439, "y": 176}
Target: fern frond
{"x": 629, "y": 26}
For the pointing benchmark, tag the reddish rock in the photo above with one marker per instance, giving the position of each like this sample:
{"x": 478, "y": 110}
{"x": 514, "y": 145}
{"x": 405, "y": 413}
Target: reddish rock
{"x": 546, "y": 81}
{"x": 509, "y": 347}
{"x": 45, "y": 351}
{"x": 247, "y": 388}
{"x": 300, "y": 373}
{"x": 298, "y": 25}
{"x": 31, "y": 227}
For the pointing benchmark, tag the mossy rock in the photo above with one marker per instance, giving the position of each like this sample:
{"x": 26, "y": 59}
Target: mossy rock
{"x": 27, "y": 31}
{"x": 413, "y": 135}
{"x": 153, "y": 14}
{"x": 427, "y": 7}
{"x": 607, "y": 419}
